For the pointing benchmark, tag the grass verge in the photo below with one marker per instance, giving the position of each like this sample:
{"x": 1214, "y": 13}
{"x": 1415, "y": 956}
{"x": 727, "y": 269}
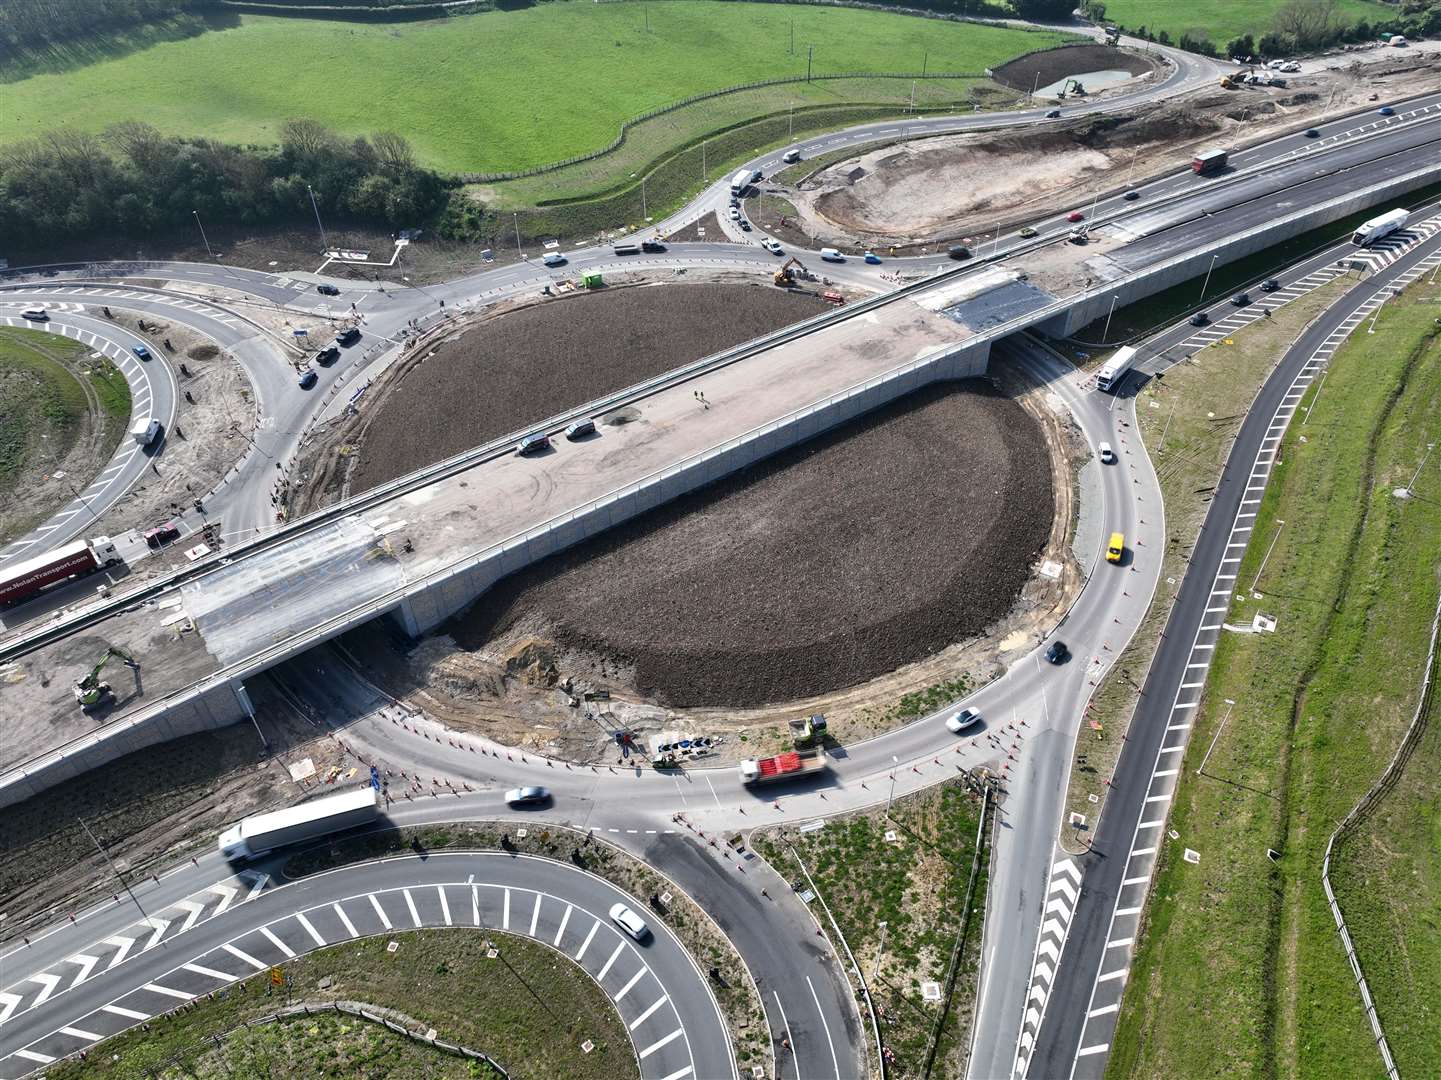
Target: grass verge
{"x": 1187, "y": 422}
{"x": 435, "y": 978}
{"x": 44, "y": 404}
{"x": 1223, "y": 20}
{"x": 493, "y": 91}
{"x": 711, "y": 949}
{"x": 1239, "y": 969}
{"x": 900, "y": 903}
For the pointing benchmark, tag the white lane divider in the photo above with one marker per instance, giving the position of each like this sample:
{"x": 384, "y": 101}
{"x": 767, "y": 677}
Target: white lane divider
{"x": 1061, "y": 894}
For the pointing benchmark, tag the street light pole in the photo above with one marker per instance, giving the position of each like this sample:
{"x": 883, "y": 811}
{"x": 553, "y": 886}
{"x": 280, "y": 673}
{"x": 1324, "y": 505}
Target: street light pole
{"x": 515, "y": 217}
{"x": 1207, "y": 282}
{"x": 810, "y": 52}
{"x": 644, "y": 213}
{"x": 203, "y": 237}
{"x": 876, "y": 971}
{"x": 113, "y": 868}
{"x": 1107, "y": 331}
{"x": 894, "y": 762}
{"x": 324, "y": 243}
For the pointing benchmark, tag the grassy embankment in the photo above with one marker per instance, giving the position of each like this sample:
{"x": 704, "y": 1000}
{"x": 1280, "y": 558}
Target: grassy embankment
{"x": 1239, "y": 970}
{"x": 441, "y": 978}
{"x": 900, "y": 904}
{"x": 51, "y": 391}
{"x": 1225, "y": 20}
{"x": 499, "y": 90}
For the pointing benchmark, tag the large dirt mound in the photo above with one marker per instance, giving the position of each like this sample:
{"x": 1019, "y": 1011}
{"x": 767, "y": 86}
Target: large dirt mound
{"x": 835, "y": 562}
{"x": 530, "y": 364}
{"x": 1052, "y": 65}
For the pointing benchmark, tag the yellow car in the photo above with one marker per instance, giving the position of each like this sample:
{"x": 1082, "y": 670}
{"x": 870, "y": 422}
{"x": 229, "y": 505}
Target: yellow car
{"x": 1115, "y": 548}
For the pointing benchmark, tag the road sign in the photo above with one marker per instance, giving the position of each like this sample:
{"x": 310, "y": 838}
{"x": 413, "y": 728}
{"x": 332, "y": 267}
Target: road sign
{"x": 277, "y": 977}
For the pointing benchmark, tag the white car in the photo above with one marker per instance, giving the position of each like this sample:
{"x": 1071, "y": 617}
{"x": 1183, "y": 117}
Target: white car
{"x": 963, "y": 721}
{"x": 735, "y": 213}
{"x": 630, "y": 922}
{"x": 1108, "y": 456}
{"x": 35, "y": 314}
{"x": 554, "y": 258}
{"x": 526, "y": 796}
{"x": 773, "y": 245}
{"x": 832, "y": 255}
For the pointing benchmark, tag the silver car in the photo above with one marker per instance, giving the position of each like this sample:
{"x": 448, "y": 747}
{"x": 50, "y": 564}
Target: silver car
{"x": 526, "y": 796}
{"x": 630, "y": 922}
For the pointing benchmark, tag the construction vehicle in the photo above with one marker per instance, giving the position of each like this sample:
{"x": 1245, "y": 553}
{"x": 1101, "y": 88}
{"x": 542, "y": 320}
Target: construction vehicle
{"x": 1228, "y": 82}
{"x": 90, "y": 692}
{"x": 787, "y": 766}
{"x": 1113, "y": 35}
{"x": 785, "y": 277}
{"x": 806, "y": 733}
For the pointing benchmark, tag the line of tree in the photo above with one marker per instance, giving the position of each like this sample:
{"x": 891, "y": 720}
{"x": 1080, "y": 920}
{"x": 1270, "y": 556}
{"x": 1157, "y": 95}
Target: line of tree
{"x": 133, "y": 179}
{"x": 28, "y": 22}
{"x": 1298, "y": 26}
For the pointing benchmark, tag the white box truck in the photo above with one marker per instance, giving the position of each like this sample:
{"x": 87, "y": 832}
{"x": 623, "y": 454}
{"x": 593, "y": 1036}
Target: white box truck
{"x": 145, "y": 430}
{"x": 1370, "y": 231}
{"x": 740, "y": 181}
{"x": 260, "y": 833}
{"x": 1113, "y": 371}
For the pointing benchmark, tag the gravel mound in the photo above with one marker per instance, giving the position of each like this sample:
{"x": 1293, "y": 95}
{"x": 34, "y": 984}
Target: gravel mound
{"x": 837, "y": 561}
{"x": 531, "y": 364}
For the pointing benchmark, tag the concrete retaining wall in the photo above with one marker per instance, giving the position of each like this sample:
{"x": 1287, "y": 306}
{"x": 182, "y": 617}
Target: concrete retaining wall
{"x": 203, "y": 709}
{"x": 442, "y": 595}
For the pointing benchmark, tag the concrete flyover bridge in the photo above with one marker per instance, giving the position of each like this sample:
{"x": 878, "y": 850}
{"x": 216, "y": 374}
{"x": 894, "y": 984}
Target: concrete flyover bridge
{"x": 427, "y": 545}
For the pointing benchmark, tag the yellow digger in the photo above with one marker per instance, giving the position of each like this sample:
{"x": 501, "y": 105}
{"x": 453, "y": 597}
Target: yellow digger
{"x": 90, "y": 692}
{"x": 785, "y": 277}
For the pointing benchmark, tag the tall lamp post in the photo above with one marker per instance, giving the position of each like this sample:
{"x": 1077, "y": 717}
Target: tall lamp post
{"x": 324, "y": 243}
{"x": 203, "y": 237}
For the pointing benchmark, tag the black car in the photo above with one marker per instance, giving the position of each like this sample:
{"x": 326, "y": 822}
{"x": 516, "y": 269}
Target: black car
{"x": 1132, "y": 195}
{"x": 1054, "y": 114}
{"x": 1312, "y": 133}
{"x": 1200, "y": 319}
{"x": 1241, "y": 299}
{"x": 308, "y": 380}
{"x": 1270, "y": 285}
{"x": 652, "y": 246}
{"x": 959, "y": 251}
{"x": 327, "y": 290}
{"x": 349, "y": 336}
{"x": 327, "y": 356}
{"x": 1058, "y": 653}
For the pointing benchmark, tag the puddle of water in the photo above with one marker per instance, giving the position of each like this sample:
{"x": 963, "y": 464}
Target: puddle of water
{"x": 1091, "y": 80}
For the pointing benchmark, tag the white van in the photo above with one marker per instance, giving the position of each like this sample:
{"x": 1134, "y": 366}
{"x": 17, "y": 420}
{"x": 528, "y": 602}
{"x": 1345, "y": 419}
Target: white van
{"x": 145, "y": 431}
{"x": 1108, "y": 456}
{"x": 791, "y": 156}
{"x": 554, "y": 258}
{"x": 35, "y": 314}
{"x": 832, "y": 255}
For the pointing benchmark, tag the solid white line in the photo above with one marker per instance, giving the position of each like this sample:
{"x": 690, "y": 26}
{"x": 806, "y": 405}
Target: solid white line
{"x": 34, "y": 1055}
{"x": 1143, "y": 851}
{"x": 410, "y": 903}
{"x": 1136, "y": 880}
{"x": 1151, "y": 824}
{"x": 564, "y": 919}
{"x": 80, "y": 1033}
{"x": 303, "y": 921}
{"x": 835, "y": 1061}
{"x": 1172, "y": 749}
{"x": 475, "y": 904}
{"x": 344, "y": 918}
{"x": 1119, "y": 943}
{"x": 165, "y": 990}
{"x": 277, "y": 942}
{"x": 643, "y": 1017}
{"x": 586, "y": 943}
{"x": 653, "y": 1047}
{"x": 1108, "y": 976}
{"x": 1104, "y": 1009}
{"x": 444, "y": 904}
{"x": 505, "y": 912}
{"x": 245, "y": 956}
{"x": 1099, "y": 1048}
{"x": 1123, "y": 912}
{"x": 210, "y": 972}
{"x": 1170, "y": 772}
{"x": 604, "y": 971}
{"x": 626, "y": 989}
{"x": 384, "y": 918}
{"x": 129, "y": 1014}
{"x": 535, "y": 915}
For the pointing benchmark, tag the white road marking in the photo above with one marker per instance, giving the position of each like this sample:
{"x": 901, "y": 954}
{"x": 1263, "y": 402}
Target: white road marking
{"x": 284, "y": 948}
{"x": 643, "y": 1017}
{"x": 47, "y": 983}
{"x": 505, "y": 912}
{"x": 34, "y": 1055}
{"x": 679, "y": 1074}
{"x": 122, "y": 944}
{"x": 80, "y": 1033}
{"x": 303, "y": 921}
{"x": 475, "y": 905}
{"x": 86, "y": 964}
{"x": 444, "y": 905}
{"x": 653, "y": 1047}
{"x": 564, "y": 919}
{"x": 384, "y": 918}
{"x": 129, "y": 1014}
{"x": 156, "y": 988}
{"x": 626, "y": 989}
{"x": 604, "y": 971}
{"x": 345, "y": 919}
{"x": 245, "y": 956}
{"x": 835, "y": 1061}
{"x": 410, "y": 903}
{"x": 586, "y": 943}
{"x": 535, "y": 915}
{"x": 209, "y": 972}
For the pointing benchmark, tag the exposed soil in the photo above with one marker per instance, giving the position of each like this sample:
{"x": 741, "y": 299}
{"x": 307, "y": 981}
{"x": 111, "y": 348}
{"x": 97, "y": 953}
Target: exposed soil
{"x": 207, "y": 436}
{"x": 161, "y": 801}
{"x": 963, "y": 187}
{"x": 713, "y": 234}
{"x": 828, "y": 565}
{"x": 499, "y": 374}
{"x": 1044, "y": 68}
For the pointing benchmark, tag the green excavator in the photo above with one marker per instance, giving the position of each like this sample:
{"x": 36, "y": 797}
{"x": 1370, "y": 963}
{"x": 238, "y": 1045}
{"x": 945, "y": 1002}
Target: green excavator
{"x": 90, "y": 692}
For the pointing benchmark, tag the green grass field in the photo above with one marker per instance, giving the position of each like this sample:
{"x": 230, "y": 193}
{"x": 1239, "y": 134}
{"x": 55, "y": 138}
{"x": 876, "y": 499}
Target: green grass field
{"x": 494, "y": 91}
{"x": 42, "y": 398}
{"x": 441, "y": 978}
{"x": 1223, "y": 20}
{"x": 1239, "y": 971}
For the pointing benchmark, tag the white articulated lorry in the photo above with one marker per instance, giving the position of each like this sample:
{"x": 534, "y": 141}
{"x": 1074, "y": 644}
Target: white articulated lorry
{"x": 1113, "y": 371}
{"x": 260, "y": 833}
{"x": 1368, "y": 232}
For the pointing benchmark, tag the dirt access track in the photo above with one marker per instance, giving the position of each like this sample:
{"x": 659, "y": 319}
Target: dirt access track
{"x": 964, "y": 187}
